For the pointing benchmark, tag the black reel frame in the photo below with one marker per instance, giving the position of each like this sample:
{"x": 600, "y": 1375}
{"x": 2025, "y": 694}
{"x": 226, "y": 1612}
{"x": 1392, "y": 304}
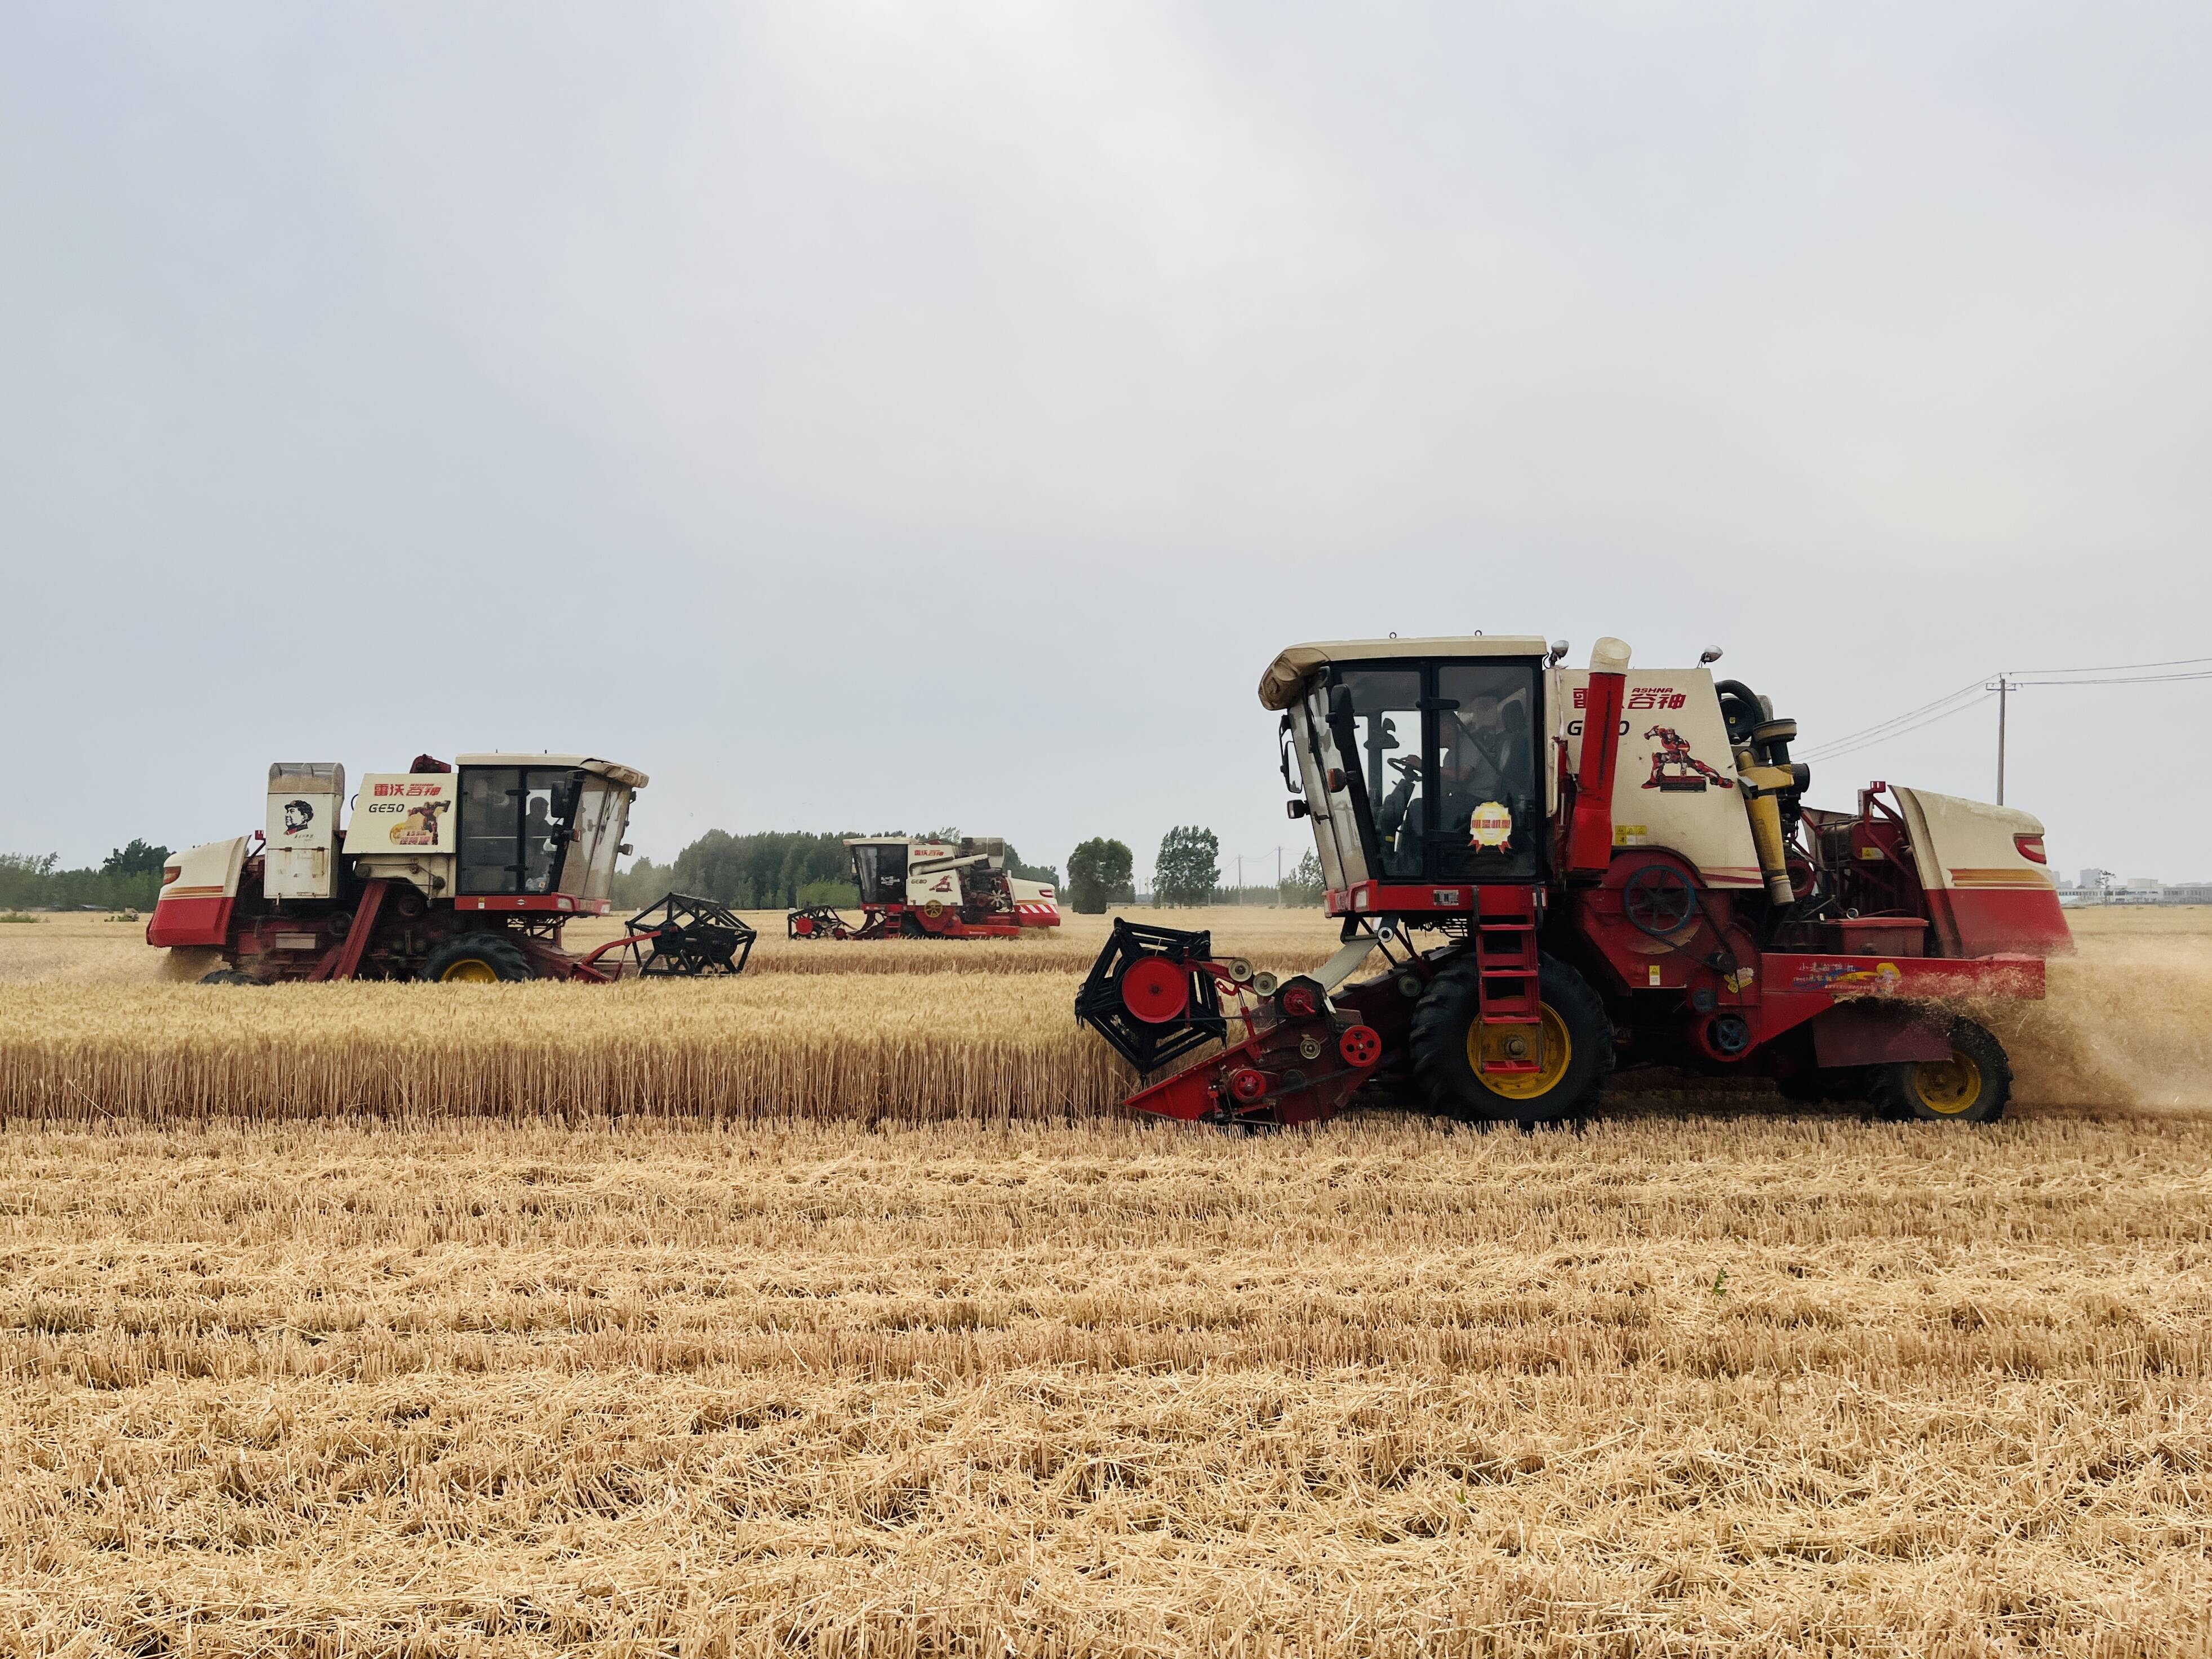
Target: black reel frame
{"x": 691, "y": 938}
{"x": 1146, "y": 1045}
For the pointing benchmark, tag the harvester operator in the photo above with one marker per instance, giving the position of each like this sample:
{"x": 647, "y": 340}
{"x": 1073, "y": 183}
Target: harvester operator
{"x": 1476, "y": 767}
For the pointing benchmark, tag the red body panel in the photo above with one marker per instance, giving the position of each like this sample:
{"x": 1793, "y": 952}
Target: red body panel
{"x": 553, "y": 903}
{"x": 1980, "y": 921}
{"x": 190, "y": 920}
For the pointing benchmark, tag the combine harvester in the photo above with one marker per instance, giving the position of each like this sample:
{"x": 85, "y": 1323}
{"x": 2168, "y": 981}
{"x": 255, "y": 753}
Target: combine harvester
{"x": 913, "y": 888}
{"x": 1571, "y": 870}
{"x": 465, "y": 876}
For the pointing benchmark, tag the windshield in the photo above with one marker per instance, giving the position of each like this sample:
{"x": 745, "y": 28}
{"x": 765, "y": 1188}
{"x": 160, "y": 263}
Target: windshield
{"x": 514, "y": 827}
{"x": 1442, "y": 781}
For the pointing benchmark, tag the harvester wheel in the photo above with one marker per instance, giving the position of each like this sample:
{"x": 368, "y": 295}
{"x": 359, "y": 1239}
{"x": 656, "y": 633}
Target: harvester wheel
{"x": 1578, "y": 1039}
{"x": 1971, "y": 1087}
{"x": 479, "y": 959}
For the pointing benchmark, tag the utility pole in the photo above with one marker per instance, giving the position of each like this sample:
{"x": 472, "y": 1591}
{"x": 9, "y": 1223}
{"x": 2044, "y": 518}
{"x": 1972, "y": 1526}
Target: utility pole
{"x": 1240, "y": 873}
{"x": 2002, "y": 686}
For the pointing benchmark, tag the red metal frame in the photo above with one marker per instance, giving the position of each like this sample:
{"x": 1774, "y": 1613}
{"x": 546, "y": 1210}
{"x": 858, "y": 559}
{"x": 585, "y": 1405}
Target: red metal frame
{"x": 554, "y": 903}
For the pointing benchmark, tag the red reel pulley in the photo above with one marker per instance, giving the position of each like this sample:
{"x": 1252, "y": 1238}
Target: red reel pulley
{"x": 1156, "y": 990}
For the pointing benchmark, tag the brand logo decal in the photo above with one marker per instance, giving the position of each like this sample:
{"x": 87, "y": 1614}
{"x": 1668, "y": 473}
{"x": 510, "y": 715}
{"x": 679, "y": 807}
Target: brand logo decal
{"x": 1491, "y": 825}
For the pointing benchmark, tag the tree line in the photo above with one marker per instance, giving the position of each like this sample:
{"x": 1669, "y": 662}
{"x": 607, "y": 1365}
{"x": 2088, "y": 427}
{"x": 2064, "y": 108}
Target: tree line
{"x": 1188, "y": 871}
{"x": 128, "y": 878}
{"x": 784, "y": 870}
{"x": 774, "y": 870}
{"x": 765, "y": 870}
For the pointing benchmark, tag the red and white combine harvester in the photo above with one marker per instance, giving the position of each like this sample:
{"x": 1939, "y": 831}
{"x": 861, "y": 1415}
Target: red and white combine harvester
{"x": 438, "y": 874}
{"x": 1568, "y": 871}
{"x": 914, "y": 889}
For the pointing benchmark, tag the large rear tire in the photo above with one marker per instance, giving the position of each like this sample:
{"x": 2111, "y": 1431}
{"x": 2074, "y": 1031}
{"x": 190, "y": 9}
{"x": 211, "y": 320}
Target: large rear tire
{"x": 480, "y": 958}
{"x": 1577, "y": 1050}
{"x": 1972, "y": 1086}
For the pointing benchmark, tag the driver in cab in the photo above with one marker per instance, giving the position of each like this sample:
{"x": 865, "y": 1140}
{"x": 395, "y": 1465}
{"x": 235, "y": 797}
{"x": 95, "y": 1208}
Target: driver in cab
{"x": 1479, "y": 759}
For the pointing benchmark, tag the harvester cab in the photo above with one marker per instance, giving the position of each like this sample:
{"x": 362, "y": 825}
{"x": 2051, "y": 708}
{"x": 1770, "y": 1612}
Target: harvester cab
{"x": 1568, "y": 870}
{"x": 439, "y": 873}
{"x": 913, "y": 888}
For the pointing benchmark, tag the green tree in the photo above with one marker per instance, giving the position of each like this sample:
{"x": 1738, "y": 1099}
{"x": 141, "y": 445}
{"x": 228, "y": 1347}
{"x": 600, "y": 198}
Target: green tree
{"x": 1043, "y": 873}
{"x": 1303, "y": 885}
{"x": 763, "y": 870}
{"x": 641, "y": 885}
{"x": 138, "y": 858}
{"x": 1188, "y": 868}
{"x": 1099, "y": 873}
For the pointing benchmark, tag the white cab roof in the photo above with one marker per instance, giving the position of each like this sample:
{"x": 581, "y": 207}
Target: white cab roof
{"x": 605, "y": 769}
{"x": 1280, "y": 683}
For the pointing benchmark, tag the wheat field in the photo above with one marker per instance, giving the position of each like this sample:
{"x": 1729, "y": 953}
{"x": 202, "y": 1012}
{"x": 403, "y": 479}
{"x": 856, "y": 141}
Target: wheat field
{"x": 94, "y": 1024}
{"x": 91, "y": 948}
{"x": 840, "y": 1313}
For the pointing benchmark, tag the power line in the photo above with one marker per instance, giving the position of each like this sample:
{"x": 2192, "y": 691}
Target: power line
{"x": 1839, "y": 750}
{"x": 1931, "y": 713}
{"x": 1881, "y": 728}
{"x": 1911, "y": 720}
{"x": 2116, "y": 667}
{"x": 2128, "y": 679}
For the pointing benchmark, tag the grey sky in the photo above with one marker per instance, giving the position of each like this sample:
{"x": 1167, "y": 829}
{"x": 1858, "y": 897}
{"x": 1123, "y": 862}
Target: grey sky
{"x": 863, "y": 416}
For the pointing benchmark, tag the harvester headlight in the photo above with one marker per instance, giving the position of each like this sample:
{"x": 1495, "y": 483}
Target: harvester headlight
{"x": 2031, "y": 849}
{"x": 170, "y": 872}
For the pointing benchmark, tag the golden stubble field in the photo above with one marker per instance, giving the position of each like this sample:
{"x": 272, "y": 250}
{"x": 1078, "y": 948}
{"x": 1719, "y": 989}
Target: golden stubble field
{"x": 785, "y": 1372}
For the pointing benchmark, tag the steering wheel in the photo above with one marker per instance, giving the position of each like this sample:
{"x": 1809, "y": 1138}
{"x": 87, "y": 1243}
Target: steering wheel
{"x": 1659, "y": 900}
{"x": 1404, "y": 765}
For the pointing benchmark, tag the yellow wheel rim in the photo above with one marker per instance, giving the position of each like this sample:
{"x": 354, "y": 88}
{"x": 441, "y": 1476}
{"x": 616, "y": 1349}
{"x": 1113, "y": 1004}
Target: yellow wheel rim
{"x": 1949, "y": 1086}
{"x": 470, "y": 971}
{"x": 1497, "y": 1042}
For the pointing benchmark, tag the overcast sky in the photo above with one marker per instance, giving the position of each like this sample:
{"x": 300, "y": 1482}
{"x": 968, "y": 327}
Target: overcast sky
{"x": 863, "y": 417}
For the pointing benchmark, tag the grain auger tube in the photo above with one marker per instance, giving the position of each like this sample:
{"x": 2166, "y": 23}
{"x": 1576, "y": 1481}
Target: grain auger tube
{"x": 458, "y": 874}
{"x": 1561, "y": 874}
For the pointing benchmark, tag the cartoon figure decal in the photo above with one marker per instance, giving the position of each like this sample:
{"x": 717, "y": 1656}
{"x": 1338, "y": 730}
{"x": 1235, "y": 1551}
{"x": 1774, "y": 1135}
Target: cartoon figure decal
{"x": 1675, "y": 767}
{"x": 298, "y": 815}
{"x": 420, "y": 827}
